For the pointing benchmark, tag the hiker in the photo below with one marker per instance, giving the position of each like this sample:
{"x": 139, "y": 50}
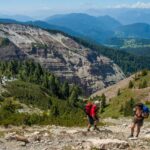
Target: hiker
{"x": 92, "y": 114}
{"x": 140, "y": 113}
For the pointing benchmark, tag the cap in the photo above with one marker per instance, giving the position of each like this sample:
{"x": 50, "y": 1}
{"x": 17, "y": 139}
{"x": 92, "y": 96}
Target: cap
{"x": 97, "y": 103}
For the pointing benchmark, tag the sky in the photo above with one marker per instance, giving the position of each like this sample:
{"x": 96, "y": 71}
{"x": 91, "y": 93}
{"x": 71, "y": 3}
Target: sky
{"x": 41, "y": 7}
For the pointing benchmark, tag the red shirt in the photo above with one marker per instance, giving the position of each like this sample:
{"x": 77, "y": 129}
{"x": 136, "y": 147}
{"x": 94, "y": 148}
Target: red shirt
{"x": 93, "y": 111}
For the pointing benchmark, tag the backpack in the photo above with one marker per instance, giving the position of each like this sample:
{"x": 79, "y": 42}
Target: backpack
{"x": 146, "y": 111}
{"x": 88, "y": 108}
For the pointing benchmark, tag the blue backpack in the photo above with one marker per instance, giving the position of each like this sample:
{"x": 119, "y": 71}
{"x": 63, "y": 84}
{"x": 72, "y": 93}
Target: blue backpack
{"x": 146, "y": 111}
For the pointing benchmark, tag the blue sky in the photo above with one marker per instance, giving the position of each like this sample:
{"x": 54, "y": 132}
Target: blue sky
{"x": 33, "y": 7}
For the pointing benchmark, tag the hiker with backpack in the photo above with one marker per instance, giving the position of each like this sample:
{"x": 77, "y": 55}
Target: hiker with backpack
{"x": 140, "y": 113}
{"x": 91, "y": 110}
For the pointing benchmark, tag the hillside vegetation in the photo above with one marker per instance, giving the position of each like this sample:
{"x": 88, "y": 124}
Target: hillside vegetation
{"x": 28, "y": 83}
{"x": 138, "y": 90}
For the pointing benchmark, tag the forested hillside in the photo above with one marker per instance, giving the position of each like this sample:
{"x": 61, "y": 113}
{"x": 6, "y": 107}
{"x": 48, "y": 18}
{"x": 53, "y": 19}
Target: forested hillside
{"x": 129, "y": 63}
{"x": 28, "y": 83}
{"x": 137, "y": 90}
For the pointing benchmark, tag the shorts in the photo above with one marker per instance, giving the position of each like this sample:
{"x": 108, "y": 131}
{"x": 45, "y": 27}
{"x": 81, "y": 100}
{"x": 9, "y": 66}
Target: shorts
{"x": 90, "y": 120}
{"x": 138, "y": 122}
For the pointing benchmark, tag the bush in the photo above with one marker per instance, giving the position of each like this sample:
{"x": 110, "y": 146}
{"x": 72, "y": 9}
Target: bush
{"x": 131, "y": 85}
{"x": 144, "y": 72}
{"x": 128, "y": 107}
{"x": 1, "y": 98}
{"x": 29, "y": 94}
{"x": 38, "y": 88}
{"x": 143, "y": 84}
{"x": 118, "y": 93}
{"x": 6, "y": 94}
{"x": 103, "y": 102}
{"x": 136, "y": 77}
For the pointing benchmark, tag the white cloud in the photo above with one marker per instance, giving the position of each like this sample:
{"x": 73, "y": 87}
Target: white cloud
{"x": 135, "y": 5}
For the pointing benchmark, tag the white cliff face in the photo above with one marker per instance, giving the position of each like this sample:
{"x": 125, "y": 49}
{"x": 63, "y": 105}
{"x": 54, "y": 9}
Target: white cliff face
{"x": 63, "y": 56}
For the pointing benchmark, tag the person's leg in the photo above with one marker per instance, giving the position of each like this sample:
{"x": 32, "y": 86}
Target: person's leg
{"x": 89, "y": 126}
{"x": 95, "y": 124}
{"x": 132, "y": 129}
{"x": 139, "y": 125}
{"x": 89, "y": 123}
{"x": 138, "y": 130}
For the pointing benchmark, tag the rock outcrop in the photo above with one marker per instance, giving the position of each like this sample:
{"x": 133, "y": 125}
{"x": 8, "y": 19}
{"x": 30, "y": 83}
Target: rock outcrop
{"x": 10, "y": 51}
{"x": 63, "y": 56}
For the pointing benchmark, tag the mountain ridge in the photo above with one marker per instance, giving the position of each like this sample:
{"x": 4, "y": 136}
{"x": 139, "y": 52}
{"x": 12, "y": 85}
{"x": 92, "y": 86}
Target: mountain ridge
{"x": 78, "y": 22}
{"x": 63, "y": 56}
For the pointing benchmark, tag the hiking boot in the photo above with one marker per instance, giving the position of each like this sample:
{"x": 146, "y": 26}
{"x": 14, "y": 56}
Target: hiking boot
{"x": 96, "y": 129}
{"x": 131, "y": 136}
{"x": 136, "y": 136}
{"x": 88, "y": 130}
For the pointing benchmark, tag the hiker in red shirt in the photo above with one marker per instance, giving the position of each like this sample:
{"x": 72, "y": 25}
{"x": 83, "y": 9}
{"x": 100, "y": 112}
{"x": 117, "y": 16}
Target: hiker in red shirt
{"x": 92, "y": 111}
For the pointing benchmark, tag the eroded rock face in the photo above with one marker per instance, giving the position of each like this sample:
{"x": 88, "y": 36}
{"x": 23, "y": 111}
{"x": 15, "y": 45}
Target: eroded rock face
{"x": 63, "y": 56}
{"x": 11, "y": 52}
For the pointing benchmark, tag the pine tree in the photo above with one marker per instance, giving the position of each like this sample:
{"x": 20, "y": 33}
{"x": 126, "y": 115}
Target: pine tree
{"x": 55, "y": 111}
{"x": 130, "y": 85}
{"x": 144, "y": 72}
{"x": 52, "y": 84}
{"x": 118, "y": 93}
{"x": 73, "y": 97}
{"x": 143, "y": 84}
{"x": 34, "y": 50}
{"x": 128, "y": 107}
{"x": 65, "y": 90}
{"x": 103, "y": 102}
{"x": 45, "y": 82}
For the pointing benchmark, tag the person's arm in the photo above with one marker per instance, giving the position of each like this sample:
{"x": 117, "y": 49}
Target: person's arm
{"x": 139, "y": 114}
{"x": 93, "y": 112}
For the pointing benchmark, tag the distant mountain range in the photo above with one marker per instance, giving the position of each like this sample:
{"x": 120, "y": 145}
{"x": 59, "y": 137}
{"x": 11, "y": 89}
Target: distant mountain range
{"x": 124, "y": 15}
{"x": 99, "y": 29}
{"x": 96, "y": 28}
{"x": 103, "y": 29}
{"x": 21, "y": 18}
{"x": 137, "y": 30}
{"x": 78, "y": 21}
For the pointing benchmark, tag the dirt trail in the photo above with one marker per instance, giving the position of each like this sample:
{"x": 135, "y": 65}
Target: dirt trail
{"x": 113, "y": 136}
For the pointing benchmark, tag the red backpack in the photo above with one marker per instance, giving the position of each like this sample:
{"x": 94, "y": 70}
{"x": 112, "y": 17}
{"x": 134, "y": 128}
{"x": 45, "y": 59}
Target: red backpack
{"x": 88, "y": 108}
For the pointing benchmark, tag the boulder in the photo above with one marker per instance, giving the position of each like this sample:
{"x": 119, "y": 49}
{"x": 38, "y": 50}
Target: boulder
{"x": 109, "y": 143}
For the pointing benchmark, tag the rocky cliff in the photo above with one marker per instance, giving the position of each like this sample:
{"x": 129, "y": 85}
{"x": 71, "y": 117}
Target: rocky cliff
{"x": 61, "y": 55}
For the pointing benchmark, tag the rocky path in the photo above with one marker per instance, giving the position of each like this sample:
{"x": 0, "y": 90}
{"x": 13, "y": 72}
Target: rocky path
{"x": 111, "y": 137}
